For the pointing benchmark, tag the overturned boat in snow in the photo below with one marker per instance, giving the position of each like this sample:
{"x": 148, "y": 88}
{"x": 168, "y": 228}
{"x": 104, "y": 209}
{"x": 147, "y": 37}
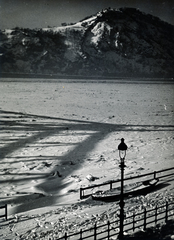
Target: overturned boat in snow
{"x": 138, "y": 189}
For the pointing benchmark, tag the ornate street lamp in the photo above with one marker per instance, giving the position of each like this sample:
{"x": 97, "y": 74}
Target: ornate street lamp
{"x": 122, "y": 147}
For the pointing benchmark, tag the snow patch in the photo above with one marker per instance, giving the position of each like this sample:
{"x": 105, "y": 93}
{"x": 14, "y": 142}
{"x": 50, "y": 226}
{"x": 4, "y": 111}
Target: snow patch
{"x": 89, "y": 21}
{"x": 98, "y": 31}
{"x": 77, "y": 26}
{"x": 117, "y": 39}
{"x": 25, "y": 41}
{"x": 8, "y": 33}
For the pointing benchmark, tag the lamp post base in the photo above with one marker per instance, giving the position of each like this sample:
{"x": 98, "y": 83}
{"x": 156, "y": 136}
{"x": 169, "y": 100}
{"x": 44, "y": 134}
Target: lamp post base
{"x": 121, "y": 218}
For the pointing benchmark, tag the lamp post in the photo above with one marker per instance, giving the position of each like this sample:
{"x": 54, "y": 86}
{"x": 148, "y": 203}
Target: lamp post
{"x": 122, "y": 147}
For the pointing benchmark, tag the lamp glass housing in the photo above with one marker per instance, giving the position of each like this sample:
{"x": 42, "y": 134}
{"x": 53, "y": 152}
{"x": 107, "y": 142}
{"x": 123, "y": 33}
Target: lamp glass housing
{"x": 122, "y": 147}
{"x": 122, "y": 154}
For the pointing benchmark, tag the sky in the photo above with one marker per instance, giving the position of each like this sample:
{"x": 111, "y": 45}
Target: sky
{"x": 43, "y": 13}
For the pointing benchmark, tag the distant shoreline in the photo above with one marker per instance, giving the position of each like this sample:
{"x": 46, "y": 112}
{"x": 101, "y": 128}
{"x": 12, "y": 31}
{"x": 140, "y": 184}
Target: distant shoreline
{"x": 7, "y": 77}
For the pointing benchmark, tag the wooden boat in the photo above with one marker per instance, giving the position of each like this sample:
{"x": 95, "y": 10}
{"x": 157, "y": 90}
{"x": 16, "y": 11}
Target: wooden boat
{"x": 137, "y": 189}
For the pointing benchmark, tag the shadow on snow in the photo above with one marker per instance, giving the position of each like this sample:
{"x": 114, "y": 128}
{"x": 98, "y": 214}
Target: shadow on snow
{"x": 21, "y": 122}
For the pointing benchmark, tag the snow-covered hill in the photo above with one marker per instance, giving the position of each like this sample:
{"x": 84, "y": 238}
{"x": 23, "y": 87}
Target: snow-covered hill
{"x": 114, "y": 42}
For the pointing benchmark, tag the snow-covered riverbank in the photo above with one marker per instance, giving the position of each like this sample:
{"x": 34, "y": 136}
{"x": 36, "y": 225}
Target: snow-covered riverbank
{"x": 53, "y": 135}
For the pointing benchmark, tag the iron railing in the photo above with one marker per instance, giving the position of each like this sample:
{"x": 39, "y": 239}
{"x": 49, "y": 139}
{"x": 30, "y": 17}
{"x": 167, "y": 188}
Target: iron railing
{"x": 132, "y": 222}
{"x": 155, "y": 174}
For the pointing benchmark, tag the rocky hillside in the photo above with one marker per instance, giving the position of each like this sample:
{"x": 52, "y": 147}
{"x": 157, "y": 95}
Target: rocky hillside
{"x": 114, "y": 42}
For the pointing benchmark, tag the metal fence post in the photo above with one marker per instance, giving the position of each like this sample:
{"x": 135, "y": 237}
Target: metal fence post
{"x": 166, "y": 218}
{"x": 156, "y": 214}
{"x": 81, "y": 193}
{"x": 95, "y": 231}
{"x": 81, "y": 234}
{"x": 154, "y": 174}
{"x": 108, "y": 230}
{"x": 145, "y": 219}
{"x": 66, "y": 236}
{"x": 110, "y": 185}
{"x": 133, "y": 221}
{"x": 6, "y": 212}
